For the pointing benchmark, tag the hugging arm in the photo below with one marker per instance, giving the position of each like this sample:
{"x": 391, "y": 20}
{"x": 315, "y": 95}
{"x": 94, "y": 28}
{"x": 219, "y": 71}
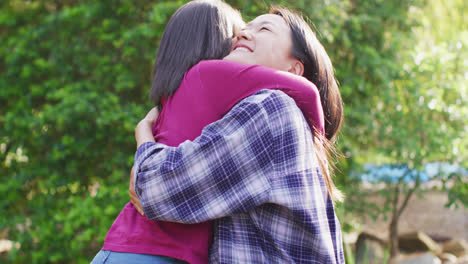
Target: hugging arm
{"x": 243, "y": 80}
{"x": 222, "y": 172}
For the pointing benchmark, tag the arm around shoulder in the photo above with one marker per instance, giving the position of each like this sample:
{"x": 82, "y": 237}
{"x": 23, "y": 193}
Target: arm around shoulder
{"x": 222, "y": 172}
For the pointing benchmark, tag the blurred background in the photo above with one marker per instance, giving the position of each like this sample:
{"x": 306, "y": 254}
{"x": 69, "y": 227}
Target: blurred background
{"x": 74, "y": 81}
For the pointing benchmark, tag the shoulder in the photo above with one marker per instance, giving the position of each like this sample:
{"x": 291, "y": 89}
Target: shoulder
{"x": 219, "y": 66}
{"x": 272, "y": 105}
{"x": 215, "y": 73}
{"x": 233, "y": 69}
{"x": 273, "y": 101}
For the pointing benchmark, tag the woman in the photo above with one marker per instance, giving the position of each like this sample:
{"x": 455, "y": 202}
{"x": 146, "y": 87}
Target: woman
{"x": 259, "y": 171}
{"x": 133, "y": 237}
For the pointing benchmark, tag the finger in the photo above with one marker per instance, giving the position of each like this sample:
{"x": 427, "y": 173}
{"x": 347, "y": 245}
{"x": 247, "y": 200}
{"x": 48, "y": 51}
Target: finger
{"x": 136, "y": 203}
{"x": 140, "y": 210}
{"x": 154, "y": 111}
{"x": 152, "y": 114}
{"x": 131, "y": 187}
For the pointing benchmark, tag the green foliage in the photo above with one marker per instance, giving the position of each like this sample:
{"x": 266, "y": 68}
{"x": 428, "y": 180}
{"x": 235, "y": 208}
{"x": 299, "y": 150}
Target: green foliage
{"x": 418, "y": 115}
{"x": 456, "y": 185}
{"x": 74, "y": 79}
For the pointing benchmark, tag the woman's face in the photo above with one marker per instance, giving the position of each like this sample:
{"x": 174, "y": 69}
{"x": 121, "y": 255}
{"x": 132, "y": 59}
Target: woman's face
{"x": 264, "y": 41}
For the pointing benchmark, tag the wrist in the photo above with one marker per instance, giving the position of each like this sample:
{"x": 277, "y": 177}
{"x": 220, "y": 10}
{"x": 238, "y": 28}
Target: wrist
{"x": 143, "y": 132}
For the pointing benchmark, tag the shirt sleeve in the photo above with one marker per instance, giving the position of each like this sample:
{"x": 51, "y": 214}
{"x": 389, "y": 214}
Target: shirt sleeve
{"x": 226, "y": 83}
{"x": 222, "y": 172}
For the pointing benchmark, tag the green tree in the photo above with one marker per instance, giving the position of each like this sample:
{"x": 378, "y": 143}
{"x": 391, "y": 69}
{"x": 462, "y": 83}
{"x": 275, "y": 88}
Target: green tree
{"x": 74, "y": 79}
{"x": 419, "y": 117}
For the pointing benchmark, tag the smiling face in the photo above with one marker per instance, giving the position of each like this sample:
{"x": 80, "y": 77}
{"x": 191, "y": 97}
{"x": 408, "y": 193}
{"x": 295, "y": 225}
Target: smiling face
{"x": 265, "y": 41}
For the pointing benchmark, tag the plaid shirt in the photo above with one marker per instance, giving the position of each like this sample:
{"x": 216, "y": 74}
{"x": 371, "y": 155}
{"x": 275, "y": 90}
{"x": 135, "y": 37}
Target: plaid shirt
{"x": 256, "y": 173}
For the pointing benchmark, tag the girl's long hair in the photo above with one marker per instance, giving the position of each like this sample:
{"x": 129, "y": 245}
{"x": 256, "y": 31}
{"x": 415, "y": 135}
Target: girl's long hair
{"x": 199, "y": 30}
{"x": 319, "y": 70}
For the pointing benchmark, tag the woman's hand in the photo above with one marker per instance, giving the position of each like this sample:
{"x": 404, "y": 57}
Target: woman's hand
{"x": 144, "y": 129}
{"x": 133, "y": 196}
{"x": 143, "y": 133}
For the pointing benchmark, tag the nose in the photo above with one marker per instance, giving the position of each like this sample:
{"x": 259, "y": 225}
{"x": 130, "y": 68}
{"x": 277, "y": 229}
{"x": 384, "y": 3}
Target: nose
{"x": 244, "y": 34}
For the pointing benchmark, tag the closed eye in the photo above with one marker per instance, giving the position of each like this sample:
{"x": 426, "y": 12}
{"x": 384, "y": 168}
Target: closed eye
{"x": 264, "y": 28}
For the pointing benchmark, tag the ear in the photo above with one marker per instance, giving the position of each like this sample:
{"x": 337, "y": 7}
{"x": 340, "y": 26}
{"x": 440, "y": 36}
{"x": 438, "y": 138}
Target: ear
{"x": 297, "y": 68}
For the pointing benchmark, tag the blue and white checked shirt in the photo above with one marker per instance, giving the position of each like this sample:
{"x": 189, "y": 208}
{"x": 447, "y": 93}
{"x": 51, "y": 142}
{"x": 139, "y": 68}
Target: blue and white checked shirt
{"x": 256, "y": 173}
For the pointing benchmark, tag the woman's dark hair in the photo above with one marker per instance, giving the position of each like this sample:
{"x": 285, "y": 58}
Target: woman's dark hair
{"x": 199, "y": 30}
{"x": 319, "y": 70}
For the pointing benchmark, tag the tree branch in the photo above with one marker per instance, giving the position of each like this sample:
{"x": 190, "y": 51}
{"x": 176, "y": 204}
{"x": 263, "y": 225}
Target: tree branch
{"x": 396, "y": 199}
{"x": 409, "y": 195}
